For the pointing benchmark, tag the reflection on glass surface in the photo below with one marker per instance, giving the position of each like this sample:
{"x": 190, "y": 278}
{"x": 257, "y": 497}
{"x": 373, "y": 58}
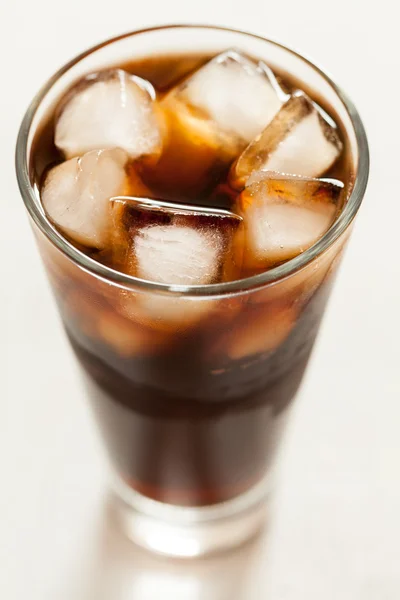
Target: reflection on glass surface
{"x": 122, "y": 571}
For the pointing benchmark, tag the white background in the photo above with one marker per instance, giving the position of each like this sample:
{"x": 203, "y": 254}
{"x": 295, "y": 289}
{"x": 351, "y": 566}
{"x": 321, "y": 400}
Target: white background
{"x": 336, "y": 531}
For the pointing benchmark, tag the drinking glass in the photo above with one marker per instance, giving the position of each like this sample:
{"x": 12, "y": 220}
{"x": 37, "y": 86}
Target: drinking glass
{"x": 192, "y": 385}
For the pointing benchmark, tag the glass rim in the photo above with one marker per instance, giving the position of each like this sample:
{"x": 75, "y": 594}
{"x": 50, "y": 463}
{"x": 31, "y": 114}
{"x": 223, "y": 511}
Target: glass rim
{"x": 215, "y": 289}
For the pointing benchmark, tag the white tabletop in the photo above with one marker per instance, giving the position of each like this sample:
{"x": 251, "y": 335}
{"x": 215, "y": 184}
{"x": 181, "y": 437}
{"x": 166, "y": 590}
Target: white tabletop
{"x": 335, "y": 533}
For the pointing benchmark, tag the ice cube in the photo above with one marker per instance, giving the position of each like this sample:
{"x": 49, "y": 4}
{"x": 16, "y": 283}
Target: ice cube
{"x": 211, "y": 117}
{"x": 299, "y": 141}
{"x": 177, "y": 254}
{"x": 76, "y": 194}
{"x": 238, "y": 95}
{"x": 262, "y": 330}
{"x": 176, "y": 245}
{"x": 301, "y": 285}
{"x": 128, "y": 338}
{"x": 106, "y": 110}
{"x": 284, "y": 215}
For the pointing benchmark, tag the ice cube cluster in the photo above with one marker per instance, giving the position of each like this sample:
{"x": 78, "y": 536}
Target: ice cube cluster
{"x": 232, "y": 111}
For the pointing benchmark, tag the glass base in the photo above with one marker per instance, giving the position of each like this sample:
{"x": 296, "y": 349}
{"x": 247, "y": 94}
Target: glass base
{"x": 190, "y": 532}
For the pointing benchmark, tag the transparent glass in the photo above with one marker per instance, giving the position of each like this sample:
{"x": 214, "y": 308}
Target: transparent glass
{"x": 191, "y": 385}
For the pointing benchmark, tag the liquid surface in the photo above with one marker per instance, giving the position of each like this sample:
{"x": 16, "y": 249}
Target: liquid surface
{"x": 169, "y": 180}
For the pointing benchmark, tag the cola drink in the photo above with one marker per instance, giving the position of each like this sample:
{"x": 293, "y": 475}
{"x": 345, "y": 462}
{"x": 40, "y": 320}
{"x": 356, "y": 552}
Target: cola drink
{"x": 193, "y": 193}
{"x": 191, "y": 402}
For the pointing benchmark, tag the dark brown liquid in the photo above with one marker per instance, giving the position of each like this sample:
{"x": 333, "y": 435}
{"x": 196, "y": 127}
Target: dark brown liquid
{"x": 179, "y": 433}
{"x": 189, "y": 425}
